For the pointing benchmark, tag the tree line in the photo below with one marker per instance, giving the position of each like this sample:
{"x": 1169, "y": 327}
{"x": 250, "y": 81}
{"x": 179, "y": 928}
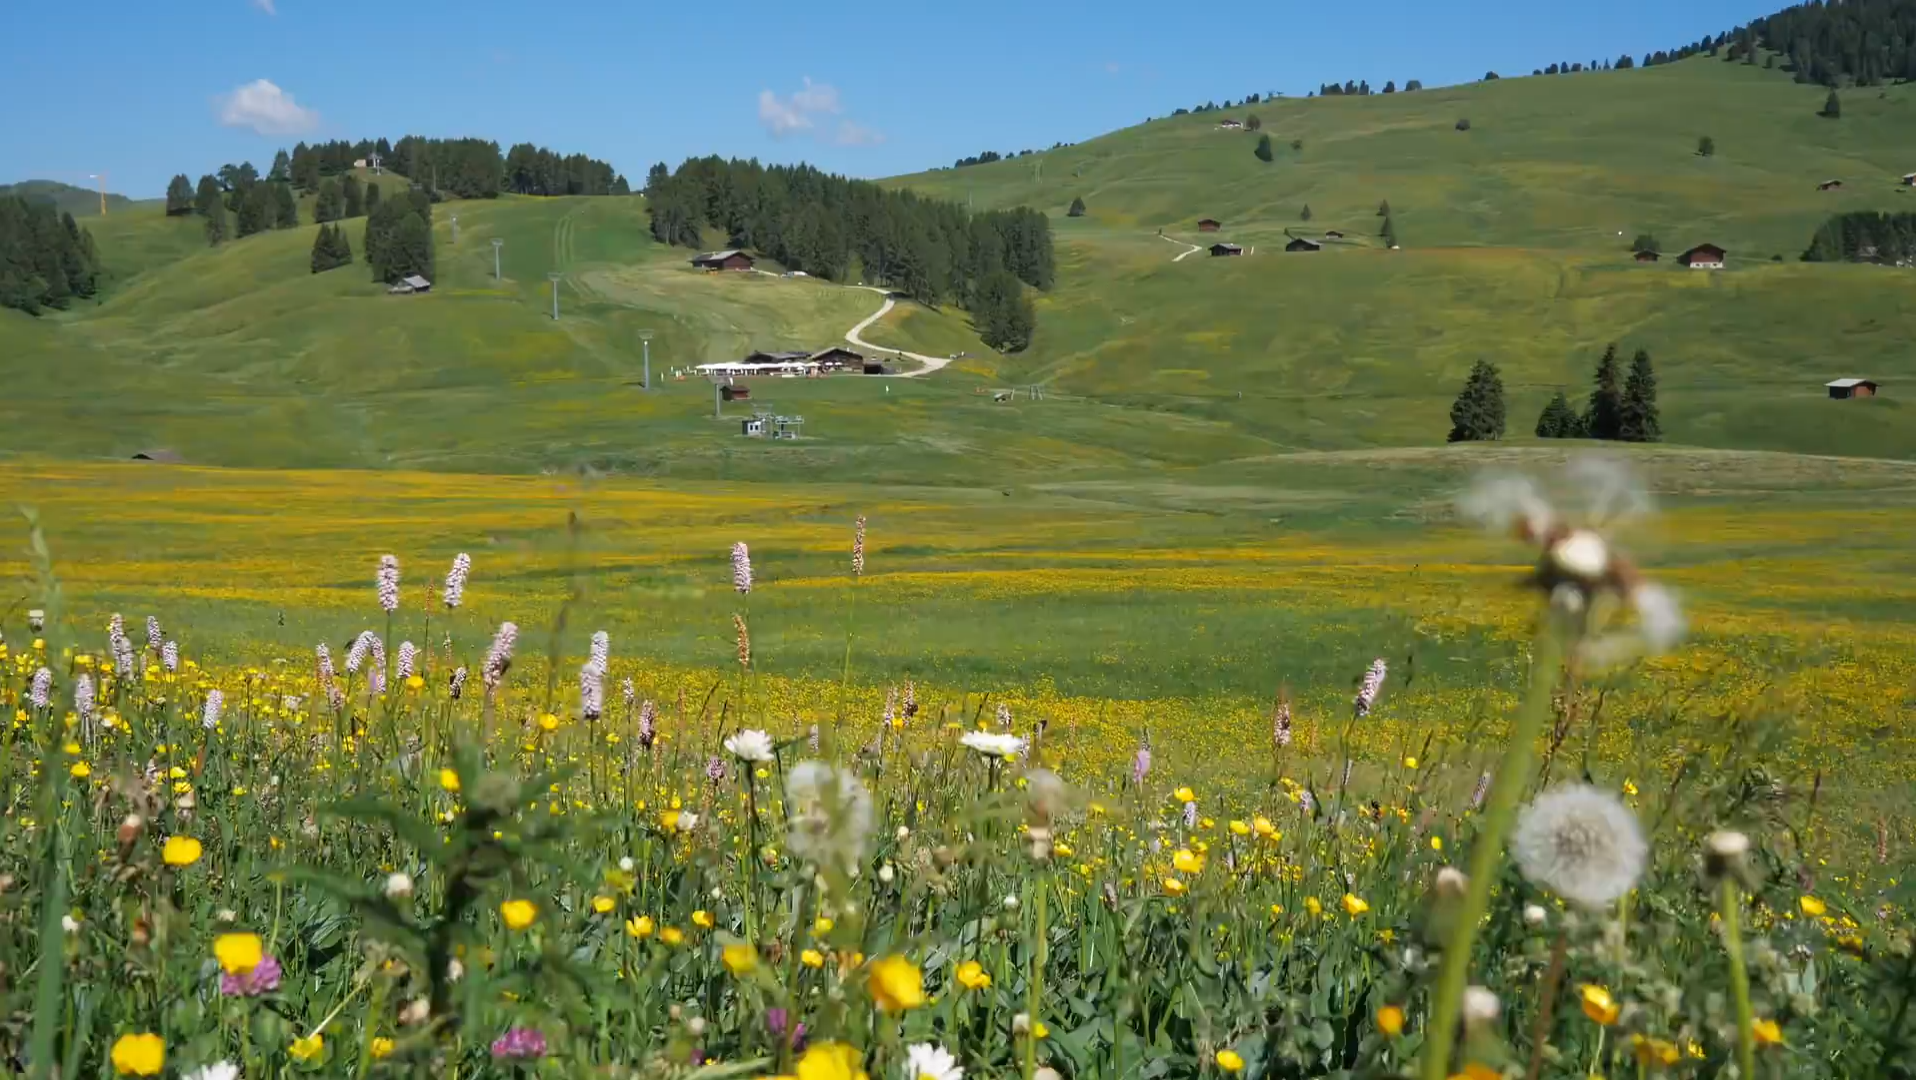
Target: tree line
{"x": 46, "y": 258}
{"x": 1863, "y": 41}
{"x": 989, "y": 156}
{"x": 1621, "y": 407}
{"x": 1361, "y": 88}
{"x": 1865, "y": 236}
{"x": 806, "y": 219}
{"x": 235, "y": 202}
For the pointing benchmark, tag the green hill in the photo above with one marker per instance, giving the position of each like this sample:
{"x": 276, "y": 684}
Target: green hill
{"x": 1516, "y": 241}
{"x": 78, "y": 201}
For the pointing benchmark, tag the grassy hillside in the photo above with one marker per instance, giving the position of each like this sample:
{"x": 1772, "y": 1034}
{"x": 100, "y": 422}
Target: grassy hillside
{"x": 1515, "y": 239}
{"x": 78, "y": 201}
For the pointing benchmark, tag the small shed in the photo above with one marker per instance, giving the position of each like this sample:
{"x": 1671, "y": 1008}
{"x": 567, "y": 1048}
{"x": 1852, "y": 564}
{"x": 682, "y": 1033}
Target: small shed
{"x": 1909, "y": 179}
{"x": 1703, "y": 257}
{"x": 1209, "y": 225}
{"x": 1647, "y": 256}
{"x": 411, "y": 283}
{"x": 752, "y": 427}
{"x": 1829, "y": 185}
{"x": 1226, "y": 249}
{"x": 1229, "y": 123}
{"x": 729, "y": 259}
{"x": 160, "y": 455}
{"x": 1333, "y": 234}
{"x": 1303, "y": 244}
{"x": 1851, "y": 388}
{"x": 735, "y": 393}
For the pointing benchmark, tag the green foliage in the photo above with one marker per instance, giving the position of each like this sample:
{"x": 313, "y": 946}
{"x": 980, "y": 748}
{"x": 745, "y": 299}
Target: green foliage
{"x": 1252, "y": 123}
{"x": 1832, "y": 107}
{"x": 179, "y": 196}
{"x": 1304, "y": 214}
{"x": 207, "y": 197}
{"x": 1077, "y": 207}
{"x": 1866, "y": 42}
{"x": 373, "y": 195}
{"x": 1003, "y": 312}
{"x": 331, "y": 202}
{"x": 1263, "y": 150}
{"x": 1604, "y": 418}
{"x": 216, "y": 225}
{"x": 399, "y": 238}
{"x": 282, "y": 171}
{"x": 1478, "y": 413}
{"x": 1638, "y": 419}
{"x": 1463, "y": 123}
{"x": 46, "y": 258}
{"x": 1705, "y": 146}
{"x": 285, "y": 207}
{"x": 258, "y": 210}
{"x": 535, "y": 170}
{"x": 1865, "y": 236}
{"x": 1558, "y": 420}
{"x": 331, "y": 248}
{"x": 1645, "y": 242}
{"x": 352, "y": 196}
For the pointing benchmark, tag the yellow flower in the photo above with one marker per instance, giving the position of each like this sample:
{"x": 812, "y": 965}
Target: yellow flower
{"x": 822, "y": 925}
{"x": 1767, "y": 1032}
{"x": 604, "y": 904}
{"x": 1410, "y": 763}
{"x": 672, "y": 935}
{"x": 1474, "y": 1071}
{"x": 812, "y": 958}
{"x": 669, "y": 820}
{"x": 518, "y": 914}
{"x": 1629, "y": 788}
{"x": 1655, "y": 1051}
{"x": 139, "y": 1055}
{"x": 548, "y": 722}
{"x": 1230, "y": 1061}
{"x": 382, "y": 1046}
{"x": 1184, "y": 794}
{"x": 972, "y": 975}
{"x": 1390, "y": 1020}
{"x": 308, "y": 1048}
{"x": 1312, "y": 905}
{"x": 1240, "y": 828}
{"x": 238, "y": 953}
{"x": 896, "y": 984}
{"x": 1187, "y": 862}
{"x": 1598, "y": 1005}
{"x": 1354, "y": 905}
{"x": 831, "y": 1061}
{"x": 449, "y": 780}
{"x": 1436, "y": 843}
{"x": 739, "y": 959}
{"x": 639, "y": 927}
{"x": 702, "y": 919}
{"x": 415, "y": 683}
{"x": 80, "y": 770}
{"x": 180, "y": 851}
{"x": 1173, "y": 887}
{"x": 1812, "y": 906}
{"x": 1262, "y": 826}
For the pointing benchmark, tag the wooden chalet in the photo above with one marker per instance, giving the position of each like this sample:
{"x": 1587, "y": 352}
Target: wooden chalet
{"x": 1647, "y": 256}
{"x": 411, "y": 283}
{"x": 1209, "y": 225}
{"x": 1302, "y": 243}
{"x": 729, "y": 259}
{"x": 838, "y": 358}
{"x": 1829, "y": 185}
{"x": 1226, "y": 249}
{"x": 1851, "y": 388}
{"x": 1704, "y": 257}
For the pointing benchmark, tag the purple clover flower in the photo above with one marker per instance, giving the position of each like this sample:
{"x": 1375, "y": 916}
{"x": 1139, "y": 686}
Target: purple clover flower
{"x": 263, "y": 979}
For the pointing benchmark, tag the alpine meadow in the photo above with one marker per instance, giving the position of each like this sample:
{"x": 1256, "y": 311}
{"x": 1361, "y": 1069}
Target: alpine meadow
{"x": 1403, "y": 582}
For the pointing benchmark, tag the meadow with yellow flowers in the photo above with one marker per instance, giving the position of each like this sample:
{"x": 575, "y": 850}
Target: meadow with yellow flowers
{"x": 382, "y": 774}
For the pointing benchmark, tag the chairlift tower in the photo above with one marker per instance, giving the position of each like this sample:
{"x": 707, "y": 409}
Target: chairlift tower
{"x": 455, "y": 229}
{"x": 554, "y": 276}
{"x": 496, "y": 245}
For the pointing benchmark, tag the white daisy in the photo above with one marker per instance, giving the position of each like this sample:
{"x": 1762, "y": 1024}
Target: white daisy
{"x": 1582, "y": 844}
{"x": 219, "y": 1070}
{"x": 750, "y": 744}
{"x": 923, "y": 1061}
{"x": 992, "y": 744}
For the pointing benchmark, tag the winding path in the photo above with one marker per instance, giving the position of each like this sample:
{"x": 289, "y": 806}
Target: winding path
{"x": 932, "y": 363}
{"x": 1193, "y": 248}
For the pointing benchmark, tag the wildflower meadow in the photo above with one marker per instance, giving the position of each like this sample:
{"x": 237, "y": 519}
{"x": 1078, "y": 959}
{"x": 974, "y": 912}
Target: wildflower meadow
{"x": 425, "y": 849}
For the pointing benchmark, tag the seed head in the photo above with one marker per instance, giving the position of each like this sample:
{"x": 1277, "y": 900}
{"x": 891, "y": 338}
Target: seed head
{"x": 1581, "y": 843}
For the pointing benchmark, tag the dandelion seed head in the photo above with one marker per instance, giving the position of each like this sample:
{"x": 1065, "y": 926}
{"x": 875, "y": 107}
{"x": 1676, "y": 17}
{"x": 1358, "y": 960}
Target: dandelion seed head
{"x": 1580, "y": 843}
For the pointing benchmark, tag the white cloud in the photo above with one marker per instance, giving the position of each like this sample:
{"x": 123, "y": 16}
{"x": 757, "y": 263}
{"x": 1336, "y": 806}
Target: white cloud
{"x": 801, "y": 110}
{"x": 265, "y": 108}
{"x": 266, "y": 6}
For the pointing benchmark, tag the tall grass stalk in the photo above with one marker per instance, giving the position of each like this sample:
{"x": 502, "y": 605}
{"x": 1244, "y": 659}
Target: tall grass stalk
{"x": 1729, "y": 906}
{"x": 1487, "y": 854}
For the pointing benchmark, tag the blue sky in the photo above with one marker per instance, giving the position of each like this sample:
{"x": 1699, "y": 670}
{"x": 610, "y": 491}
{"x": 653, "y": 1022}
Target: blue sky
{"x": 149, "y": 88}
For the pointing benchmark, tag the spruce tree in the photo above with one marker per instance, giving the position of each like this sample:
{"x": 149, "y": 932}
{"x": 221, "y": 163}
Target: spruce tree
{"x": 1832, "y": 106}
{"x": 207, "y": 197}
{"x": 285, "y": 207}
{"x": 1305, "y": 214}
{"x": 216, "y": 224}
{"x": 1638, "y": 420}
{"x": 1558, "y": 420}
{"x": 323, "y": 250}
{"x": 281, "y": 171}
{"x": 372, "y": 196}
{"x": 1383, "y": 208}
{"x": 1705, "y": 147}
{"x": 1077, "y": 208}
{"x": 256, "y": 211}
{"x": 1478, "y": 413}
{"x": 1605, "y": 417}
{"x": 352, "y": 193}
{"x": 1390, "y": 232}
{"x": 1263, "y": 150}
{"x": 331, "y": 204}
{"x": 179, "y": 196}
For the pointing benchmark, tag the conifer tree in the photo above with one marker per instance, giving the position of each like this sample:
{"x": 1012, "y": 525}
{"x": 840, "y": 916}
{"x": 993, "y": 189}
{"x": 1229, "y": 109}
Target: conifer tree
{"x": 352, "y": 193}
{"x": 179, "y": 196}
{"x": 1077, "y": 208}
{"x": 1263, "y": 150}
{"x": 1383, "y": 208}
{"x": 1832, "y": 106}
{"x": 207, "y": 197}
{"x": 216, "y": 224}
{"x": 285, "y": 207}
{"x": 1478, "y": 413}
{"x": 331, "y": 204}
{"x": 1558, "y": 420}
{"x": 1638, "y": 419}
{"x": 1304, "y": 214}
{"x": 1605, "y": 416}
{"x": 372, "y": 197}
{"x": 1390, "y": 232}
{"x": 281, "y": 170}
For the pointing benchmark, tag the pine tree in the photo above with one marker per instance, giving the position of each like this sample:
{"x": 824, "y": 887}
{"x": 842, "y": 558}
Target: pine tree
{"x": 305, "y": 168}
{"x": 1705, "y": 147}
{"x": 179, "y": 196}
{"x": 281, "y": 171}
{"x": 330, "y": 205}
{"x": 1478, "y": 413}
{"x": 257, "y": 212}
{"x": 1390, "y": 232}
{"x": 1304, "y": 214}
{"x": 1832, "y": 106}
{"x": 1263, "y": 150}
{"x": 1077, "y": 208}
{"x": 216, "y": 224}
{"x": 1252, "y": 123}
{"x": 1605, "y": 416}
{"x": 372, "y": 196}
{"x": 285, "y": 207}
{"x": 207, "y": 197}
{"x": 1383, "y": 208}
{"x": 353, "y": 196}
{"x": 1638, "y": 420}
{"x": 323, "y": 250}
{"x": 1558, "y": 420}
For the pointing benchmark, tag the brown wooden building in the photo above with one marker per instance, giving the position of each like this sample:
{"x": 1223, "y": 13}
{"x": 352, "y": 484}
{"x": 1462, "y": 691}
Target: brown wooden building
{"x": 1209, "y": 225}
{"x": 731, "y": 259}
{"x": 1647, "y": 256}
{"x": 1851, "y": 388}
{"x": 1703, "y": 257}
{"x": 1226, "y": 249}
{"x": 1303, "y": 244}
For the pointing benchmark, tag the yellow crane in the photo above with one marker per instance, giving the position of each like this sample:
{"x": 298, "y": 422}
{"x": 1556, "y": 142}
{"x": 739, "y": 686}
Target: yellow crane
{"x": 101, "y": 177}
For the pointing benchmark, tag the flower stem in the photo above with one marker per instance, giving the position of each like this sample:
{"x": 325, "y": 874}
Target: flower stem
{"x": 1487, "y": 854}
{"x": 1730, "y": 904}
{"x": 1034, "y": 988}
